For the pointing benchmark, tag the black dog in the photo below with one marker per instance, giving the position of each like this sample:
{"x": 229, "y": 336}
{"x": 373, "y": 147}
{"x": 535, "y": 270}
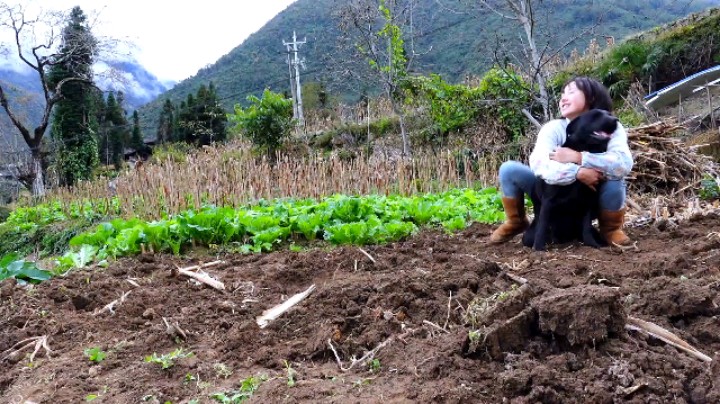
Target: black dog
{"x": 564, "y": 213}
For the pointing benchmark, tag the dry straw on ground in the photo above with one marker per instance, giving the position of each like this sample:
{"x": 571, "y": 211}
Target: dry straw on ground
{"x": 232, "y": 175}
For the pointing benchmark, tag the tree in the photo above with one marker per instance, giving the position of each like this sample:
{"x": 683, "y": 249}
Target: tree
{"x": 211, "y": 116}
{"x": 266, "y": 122}
{"x": 375, "y": 25}
{"x": 115, "y": 130}
{"x": 40, "y": 56}
{"x": 315, "y": 96}
{"x": 136, "y": 140}
{"x": 522, "y": 11}
{"x": 73, "y": 122}
{"x": 201, "y": 119}
{"x": 167, "y": 127}
{"x": 535, "y": 52}
{"x": 186, "y": 118}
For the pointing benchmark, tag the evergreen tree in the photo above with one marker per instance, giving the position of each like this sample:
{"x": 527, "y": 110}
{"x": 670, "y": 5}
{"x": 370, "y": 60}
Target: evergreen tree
{"x": 186, "y": 119}
{"x": 136, "y": 140}
{"x": 201, "y": 119}
{"x": 103, "y": 134}
{"x": 100, "y": 111}
{"x": 211, "y": 118}
{"x": 166, "y": 127}
{"x": 116, "y": 130}
{"x": 74, "y": 122}
{"x": 217, "y": 114}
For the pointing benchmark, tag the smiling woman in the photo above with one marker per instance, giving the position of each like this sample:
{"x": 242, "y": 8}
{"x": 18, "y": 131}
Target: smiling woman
{"x": 555, "y": 164}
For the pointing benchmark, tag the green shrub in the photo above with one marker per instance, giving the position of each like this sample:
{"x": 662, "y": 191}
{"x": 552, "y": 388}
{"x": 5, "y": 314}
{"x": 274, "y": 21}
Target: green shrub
{"x": 266, "y": 122}
{"x": 175, "y": 152}
{"x": 500, "y": 96}
{"x": 624, "y": 64}
{"x": 709, "y": 189}
{"x": 629, "y": 117}
{"x": 512, "y": 94}
{"x": 450, "y": 106}
{"x": 383, "y": 126}
{"x": 55, "y": 238}
{"x": 21, "y": 240}
{"x": 358, "y": 131}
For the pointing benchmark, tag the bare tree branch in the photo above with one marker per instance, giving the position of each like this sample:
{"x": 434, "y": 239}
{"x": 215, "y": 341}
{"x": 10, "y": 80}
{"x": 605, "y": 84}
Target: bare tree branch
{"x": 39, "y": 59}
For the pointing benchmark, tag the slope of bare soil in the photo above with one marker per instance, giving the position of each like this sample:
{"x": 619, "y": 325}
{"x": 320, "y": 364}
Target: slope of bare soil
{"x": 560, "y": 338}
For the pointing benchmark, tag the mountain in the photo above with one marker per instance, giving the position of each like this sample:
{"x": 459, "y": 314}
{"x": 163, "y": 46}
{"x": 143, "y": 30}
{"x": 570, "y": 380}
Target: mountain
{"x": 139, "y": 85}
{"x": 25, "y": 93}
{"x": 450, "y": 38}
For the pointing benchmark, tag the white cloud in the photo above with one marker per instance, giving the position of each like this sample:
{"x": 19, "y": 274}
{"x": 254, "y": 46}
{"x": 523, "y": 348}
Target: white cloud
{"x": 175, "y": 39}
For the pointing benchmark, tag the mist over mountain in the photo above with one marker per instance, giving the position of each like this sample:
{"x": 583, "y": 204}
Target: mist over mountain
{"x": 139, "y": 85}
{"x": 26, "y": 100}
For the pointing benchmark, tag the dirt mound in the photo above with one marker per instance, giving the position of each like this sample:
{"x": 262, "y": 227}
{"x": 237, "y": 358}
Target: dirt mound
{"x": 434, "y": 318}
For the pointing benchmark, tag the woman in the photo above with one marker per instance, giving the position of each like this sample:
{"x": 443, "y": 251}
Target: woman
{"x": 603, "y": 172}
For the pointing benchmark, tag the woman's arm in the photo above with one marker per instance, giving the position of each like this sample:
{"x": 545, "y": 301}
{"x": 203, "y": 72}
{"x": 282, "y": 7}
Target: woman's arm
{"x": 551, "y": 136}
{"x": 616, "y": 162}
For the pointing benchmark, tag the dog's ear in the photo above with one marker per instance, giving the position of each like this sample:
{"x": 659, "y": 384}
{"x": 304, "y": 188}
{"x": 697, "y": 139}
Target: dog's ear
{"x": 609, "y": 122}
{"x": 572, "y": 126}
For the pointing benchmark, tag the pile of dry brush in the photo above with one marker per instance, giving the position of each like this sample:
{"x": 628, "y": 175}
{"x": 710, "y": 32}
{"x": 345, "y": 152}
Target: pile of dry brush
{"x": 664, "y": 164}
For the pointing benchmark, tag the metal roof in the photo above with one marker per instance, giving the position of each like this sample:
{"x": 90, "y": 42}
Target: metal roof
{"x": 683, "y": 88}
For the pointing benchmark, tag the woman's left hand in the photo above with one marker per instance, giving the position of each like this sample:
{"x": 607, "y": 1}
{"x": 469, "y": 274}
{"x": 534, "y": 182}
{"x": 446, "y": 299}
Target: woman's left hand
{"x": 566, "y": 155}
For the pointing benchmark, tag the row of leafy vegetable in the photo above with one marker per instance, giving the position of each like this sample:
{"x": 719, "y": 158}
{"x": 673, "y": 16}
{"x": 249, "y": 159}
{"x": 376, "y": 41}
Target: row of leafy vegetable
{"x": 338, "y": 219}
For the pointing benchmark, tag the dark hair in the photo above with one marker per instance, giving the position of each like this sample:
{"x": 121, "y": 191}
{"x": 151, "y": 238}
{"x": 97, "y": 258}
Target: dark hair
{"x": 596, "y": 95}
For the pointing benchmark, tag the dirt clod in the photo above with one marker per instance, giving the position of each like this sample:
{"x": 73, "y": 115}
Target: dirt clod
{"x": 581, "y": 315}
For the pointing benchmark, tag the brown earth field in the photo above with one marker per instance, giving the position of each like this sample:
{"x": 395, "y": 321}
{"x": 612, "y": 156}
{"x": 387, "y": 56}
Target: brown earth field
{"x": 435, "y": 318}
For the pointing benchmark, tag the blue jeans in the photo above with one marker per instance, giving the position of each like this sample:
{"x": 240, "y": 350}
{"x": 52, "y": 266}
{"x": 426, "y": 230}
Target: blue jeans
{"x": 516, "y": 179}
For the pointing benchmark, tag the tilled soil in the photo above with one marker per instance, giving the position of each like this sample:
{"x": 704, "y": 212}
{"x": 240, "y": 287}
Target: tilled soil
{"x": 560, "y": 337}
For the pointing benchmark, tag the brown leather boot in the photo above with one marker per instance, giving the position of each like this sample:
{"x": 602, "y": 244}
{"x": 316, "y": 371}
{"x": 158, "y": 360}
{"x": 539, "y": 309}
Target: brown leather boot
{"x": 515, "y": 221}
{"x": 611, "y": 223}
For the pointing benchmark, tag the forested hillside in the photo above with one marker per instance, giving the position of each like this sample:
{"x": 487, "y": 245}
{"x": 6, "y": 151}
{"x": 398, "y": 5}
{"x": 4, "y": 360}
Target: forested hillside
{"x": 449, "y": 38}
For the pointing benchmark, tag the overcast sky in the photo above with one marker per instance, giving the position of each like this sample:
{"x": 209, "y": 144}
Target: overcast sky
{"x": 174, "y": 39}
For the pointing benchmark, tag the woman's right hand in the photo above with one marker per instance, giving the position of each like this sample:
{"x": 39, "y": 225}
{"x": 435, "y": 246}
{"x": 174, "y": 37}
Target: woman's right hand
{"x": 590, "y": 177}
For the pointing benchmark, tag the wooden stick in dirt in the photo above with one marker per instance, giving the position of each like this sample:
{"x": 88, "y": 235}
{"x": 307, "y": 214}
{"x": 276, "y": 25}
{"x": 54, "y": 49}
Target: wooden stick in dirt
{"x": 516, "y": 278}
{"x": 447, "y": 318}
{"x": 174, "y": 330}
{"x": 367, "y": 255}
{"x": 203, "y": 266}
{"x": 435, "y": 326}
{"x": 654, "y": 330}
{"x": 276, "y": 311}
{"x": 370, "y": 354}
{"x": 202, "y": 277}
{"x": 111, "y": 306}
{"x": 39, "y": 342}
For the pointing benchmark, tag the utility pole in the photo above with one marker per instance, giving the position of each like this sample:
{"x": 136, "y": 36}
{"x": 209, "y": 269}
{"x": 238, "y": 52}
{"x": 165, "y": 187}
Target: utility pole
{"x": 292, "y": 86}
{"x": 294, "y": 60}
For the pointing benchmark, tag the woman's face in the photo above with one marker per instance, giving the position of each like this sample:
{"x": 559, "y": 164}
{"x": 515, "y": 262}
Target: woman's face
{"x": 572, "y": 102}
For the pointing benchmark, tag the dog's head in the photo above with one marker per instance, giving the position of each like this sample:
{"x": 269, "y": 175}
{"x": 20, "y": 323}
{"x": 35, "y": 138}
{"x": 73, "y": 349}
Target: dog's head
{"x": 591, "y": 131}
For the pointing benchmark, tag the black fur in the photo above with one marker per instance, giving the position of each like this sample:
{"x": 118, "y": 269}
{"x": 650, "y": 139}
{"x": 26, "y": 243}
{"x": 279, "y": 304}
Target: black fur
{"x": 564, "y": 213}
